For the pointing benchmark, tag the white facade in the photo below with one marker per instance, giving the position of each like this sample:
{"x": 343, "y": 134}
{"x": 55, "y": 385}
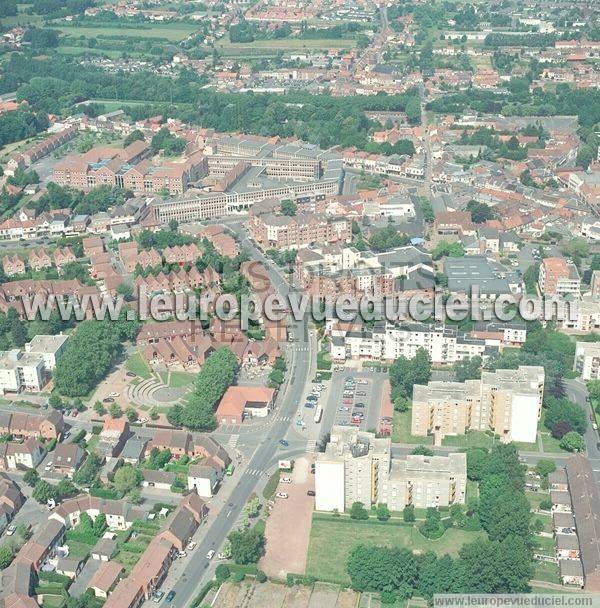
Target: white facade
{"x": 49, "y": 347}
{"x": 587, "y": 360}
{"x": 21, "y": 371}
{"x": 329, "y": 486}
{"x": 524, "y": 417}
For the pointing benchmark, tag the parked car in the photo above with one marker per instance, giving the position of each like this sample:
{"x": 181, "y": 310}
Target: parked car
{"x": 157, "y": 596}
{"x": 347, "y": 401}
{"x": 181, "y": 554}
{"x": 10, "y": 530}
{"x": 192, "y": 545}
{"x": 210, "y": 554}
{"x": 309, "y": 404}
{"x": 130, "y": 374}
{"x": 108, "y": 400}
{"x": 360, "y": 404}
{"x": 361, "y": 394}
{"x": 284, "y": 443}
{"x": 310, "y": 493}
{"x": 286, "y": 480}
{"x": 281, "y": 495}
{"x": 170, "y": 596}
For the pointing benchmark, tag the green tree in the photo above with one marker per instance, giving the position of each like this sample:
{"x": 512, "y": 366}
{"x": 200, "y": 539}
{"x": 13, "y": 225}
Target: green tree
{"x": 247, "y": 546}
{"x": 572, "y": 442}
{"x": 31, "y": 477}
{"x": 383, "y": 513}
{"x": 127, "y": 478}
{"x": 43, "y": 492}
{"x": 408, "y": 514}
{"x": 544, "y": 467}
{"x": 563, "y": 410}
{"x": 288, "y": 207}
{"x": 6, "y": 556}
{"x": 86, "y": 474}
{"x": 358, "y": 511}
{"x": 432, "y": 527}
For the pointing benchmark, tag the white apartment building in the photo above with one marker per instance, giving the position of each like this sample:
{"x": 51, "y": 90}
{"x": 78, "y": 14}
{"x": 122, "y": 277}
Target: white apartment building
{"x": 21, "y": 371}
{"x": 507, "y": 402}
{"x": 388, "y": 342}
{"x": 426, "y": 481}
{"x": 587, "y": 360}
{"x": 49, "y": 347}
{"x": 358, "y": 467}
{"x": 587, "y": 318}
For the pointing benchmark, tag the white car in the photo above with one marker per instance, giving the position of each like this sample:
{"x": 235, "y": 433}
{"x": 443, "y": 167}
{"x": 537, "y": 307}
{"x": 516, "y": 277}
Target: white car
{"x": 286, "y": 480}
{"x": 192, "y": 545}
{"x": 181, "y": 554}
{"x": 281, "y": 495}
{"x": 10, "y": 530}
{"x": 210, "y": 554}
{"x": 113, "y": 394}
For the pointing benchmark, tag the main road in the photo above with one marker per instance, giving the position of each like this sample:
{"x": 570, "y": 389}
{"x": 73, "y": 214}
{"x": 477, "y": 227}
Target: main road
{"x": 196, "y": 572}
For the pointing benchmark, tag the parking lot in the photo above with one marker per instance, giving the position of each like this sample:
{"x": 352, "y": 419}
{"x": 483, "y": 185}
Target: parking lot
{"x": 354, "y": 400}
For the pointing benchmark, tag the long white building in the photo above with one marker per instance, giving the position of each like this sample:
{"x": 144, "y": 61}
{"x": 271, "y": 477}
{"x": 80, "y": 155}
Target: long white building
{"x": 358, "y": 467}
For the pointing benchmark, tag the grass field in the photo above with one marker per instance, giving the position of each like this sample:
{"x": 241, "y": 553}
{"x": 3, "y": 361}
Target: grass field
{"x": 262, "y": 48}
{"x": 137, "y": 365}
{"x": 401, "y": 430}
{"x": 170, "y": 32}
{"x": 547, "y": 571}
{"x": 472, "y": 439}
{"x": 331, "y": 541}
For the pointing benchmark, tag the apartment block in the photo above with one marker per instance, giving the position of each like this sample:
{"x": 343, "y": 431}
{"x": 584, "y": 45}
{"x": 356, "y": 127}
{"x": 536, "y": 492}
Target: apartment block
{"x": 327, "y": 270}
{"x": 426, "y": 481}
{"x": 444, "y": 345}
{"x": 358, "y": 467}
{"x": 21, "y": 372}
{"x": 559, "y": 277}
{"x": 271, "y": 229}
{"x": 587, "y": 360}
{"x": 587, "y": 318}
{"x": 507, "y": 402}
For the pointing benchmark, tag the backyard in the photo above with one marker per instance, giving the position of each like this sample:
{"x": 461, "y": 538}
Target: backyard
{"x": 332, "y": 539}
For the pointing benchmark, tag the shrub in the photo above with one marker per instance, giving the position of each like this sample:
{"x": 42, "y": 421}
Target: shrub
{"x": 238, "y": 577}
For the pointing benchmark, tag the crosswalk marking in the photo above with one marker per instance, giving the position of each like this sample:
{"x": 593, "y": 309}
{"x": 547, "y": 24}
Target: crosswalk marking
{"x": 233, "y": 440}
{"x": 311, "y": 447}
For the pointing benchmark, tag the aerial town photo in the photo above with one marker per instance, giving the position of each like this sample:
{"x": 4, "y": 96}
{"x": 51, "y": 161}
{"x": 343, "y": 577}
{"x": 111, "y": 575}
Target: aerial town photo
{"x": 299, "y": 303}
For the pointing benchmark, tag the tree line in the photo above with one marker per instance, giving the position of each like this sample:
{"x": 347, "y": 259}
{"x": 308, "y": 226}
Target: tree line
{"x": 500, "y": 563}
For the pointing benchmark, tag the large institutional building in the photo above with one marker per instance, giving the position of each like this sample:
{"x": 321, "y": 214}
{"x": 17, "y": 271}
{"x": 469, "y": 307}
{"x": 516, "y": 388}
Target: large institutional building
{"x": 358, "y": 467}
{"x": 507, "y": 402}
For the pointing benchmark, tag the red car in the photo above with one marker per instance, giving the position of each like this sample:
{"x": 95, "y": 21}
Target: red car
{"x": 347, "y": 401}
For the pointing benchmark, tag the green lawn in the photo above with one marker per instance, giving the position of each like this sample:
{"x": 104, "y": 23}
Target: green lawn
{"x": 177, "y": 379}
{"x": 535, "y": 498}
{"x": 551, "y": 444}
{"x": 137, "y": 365}
{"x": 547, "y": 571}
{"x": 544, "y": 545}
{"x": 171, "y": 32}
{"x": 331, "y": 541}
{"x": 401, "y": 430}
{"x": 471, "y": 439}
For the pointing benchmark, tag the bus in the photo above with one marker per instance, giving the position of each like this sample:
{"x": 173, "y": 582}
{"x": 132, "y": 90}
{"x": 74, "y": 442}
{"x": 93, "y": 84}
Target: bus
{"x": 318, "y": 414}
